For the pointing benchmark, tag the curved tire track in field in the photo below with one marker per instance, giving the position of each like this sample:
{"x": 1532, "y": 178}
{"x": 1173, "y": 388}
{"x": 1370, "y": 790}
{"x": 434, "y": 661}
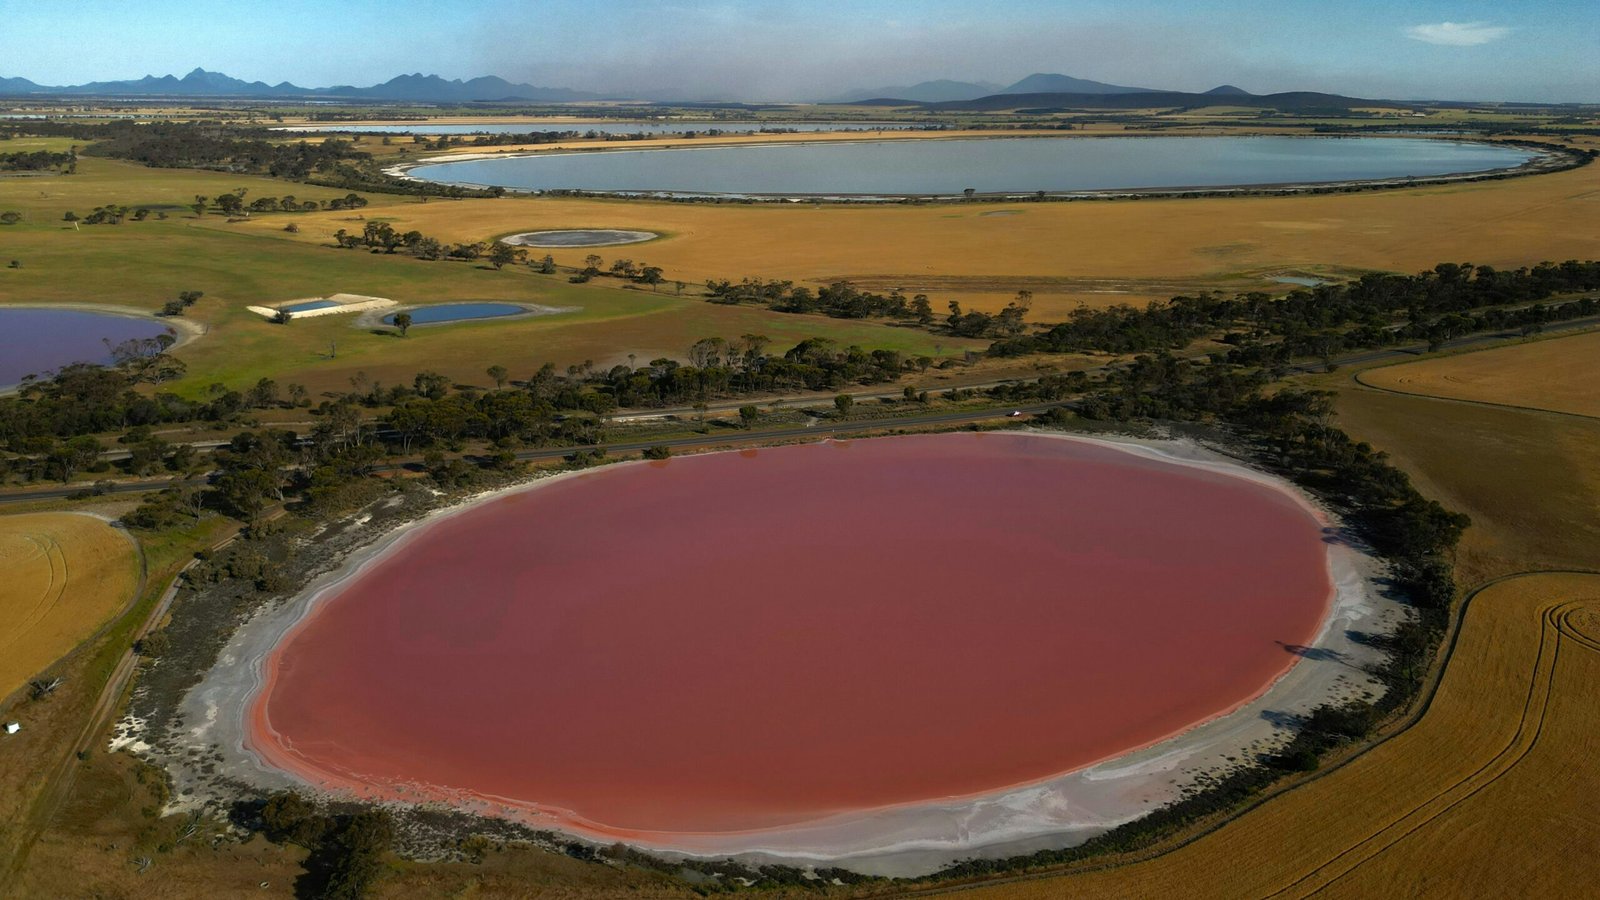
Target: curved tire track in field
{"x": 55, "y": 587}
{"x": 1574, "y": 622}
{"x": 1558, "y": 633}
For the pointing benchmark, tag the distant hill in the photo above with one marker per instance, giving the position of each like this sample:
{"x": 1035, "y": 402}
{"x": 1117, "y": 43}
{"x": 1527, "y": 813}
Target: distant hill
{"x": 17, "y": 86}
{"x": 1040, "y": 83}
{"x": 923, "y": 92}
{"x": 434, "y": 88}
{"x": 1228, "y": 90}
{"x": 200, "y": 83}
{"x": 1288, "y": 101}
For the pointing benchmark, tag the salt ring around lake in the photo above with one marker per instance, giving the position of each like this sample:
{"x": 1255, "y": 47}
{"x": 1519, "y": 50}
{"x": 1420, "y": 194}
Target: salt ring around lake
{"x": 953, "y": 619}
{"x": 593, "y": 237}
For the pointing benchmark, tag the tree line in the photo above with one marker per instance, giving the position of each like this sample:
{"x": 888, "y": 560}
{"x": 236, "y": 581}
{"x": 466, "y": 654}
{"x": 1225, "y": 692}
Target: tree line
{"x": 209, "y": 145}
{"x": 231, "y": 203}
{"x": 843, "y": 300}
{"x": 40, "y": 160}
{"x": 1376, "y": 309}
{"x": 50, "y": 427}
{"x": 385, "y": 238}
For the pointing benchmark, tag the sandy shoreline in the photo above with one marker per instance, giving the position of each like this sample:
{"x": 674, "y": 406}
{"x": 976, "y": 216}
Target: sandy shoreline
{"x": 902, "y": 840}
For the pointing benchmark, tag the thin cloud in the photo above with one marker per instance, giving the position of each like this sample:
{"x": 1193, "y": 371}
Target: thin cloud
{"x": 1457, "y": 34}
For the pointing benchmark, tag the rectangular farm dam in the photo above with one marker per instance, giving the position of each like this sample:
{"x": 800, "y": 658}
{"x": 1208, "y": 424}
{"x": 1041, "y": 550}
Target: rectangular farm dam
{"x": 331, "y": 305}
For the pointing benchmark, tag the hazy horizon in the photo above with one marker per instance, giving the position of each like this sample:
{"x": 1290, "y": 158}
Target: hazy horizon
{"x": 763, "y": 50}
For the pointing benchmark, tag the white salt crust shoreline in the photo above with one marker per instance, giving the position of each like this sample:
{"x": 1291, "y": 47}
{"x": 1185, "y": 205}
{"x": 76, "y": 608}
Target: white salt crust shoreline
{"x": 1538, "y": 161}
{"x": 899, "y": 841}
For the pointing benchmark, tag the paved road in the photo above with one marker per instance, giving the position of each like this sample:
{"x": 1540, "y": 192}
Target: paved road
{"x": 732, "y": 436}
{"x": 813, "y": 399}
{"x": 114, "y": 487}
{"x": 716, "y": 438}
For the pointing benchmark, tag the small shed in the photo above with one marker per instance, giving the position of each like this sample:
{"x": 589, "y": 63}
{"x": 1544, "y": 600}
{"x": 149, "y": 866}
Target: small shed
{"x": 13, "y": 727}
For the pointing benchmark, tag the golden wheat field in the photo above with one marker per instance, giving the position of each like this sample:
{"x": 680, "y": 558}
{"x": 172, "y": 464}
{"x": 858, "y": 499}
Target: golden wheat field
{"x": 65, "y": 575}
{"x": 1096, "y": 253}
{"x": 1559, "y": 374}
{"x": 1502, "y": 751}
{"x": 1530, "y": 480}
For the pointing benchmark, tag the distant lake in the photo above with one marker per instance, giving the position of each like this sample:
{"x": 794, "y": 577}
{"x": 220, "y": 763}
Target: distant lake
{"x": 999, "y": 165}
{"x": 36, "y": 341}
{"x": 607, "y": 126}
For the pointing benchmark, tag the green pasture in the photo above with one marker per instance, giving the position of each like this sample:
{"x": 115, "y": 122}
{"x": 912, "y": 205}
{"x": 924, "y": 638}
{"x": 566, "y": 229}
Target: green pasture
{"x": 144, "y": 264}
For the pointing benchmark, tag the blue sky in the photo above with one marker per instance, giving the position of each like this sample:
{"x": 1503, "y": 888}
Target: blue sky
{"x": 764, "y": 49}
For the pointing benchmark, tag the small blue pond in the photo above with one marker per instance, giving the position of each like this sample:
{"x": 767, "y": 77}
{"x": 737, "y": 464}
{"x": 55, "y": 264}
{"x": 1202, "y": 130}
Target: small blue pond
{"x": 456, "y": 312}
{"x": 309, "y": 305}
{"x": 1296, "y": 279}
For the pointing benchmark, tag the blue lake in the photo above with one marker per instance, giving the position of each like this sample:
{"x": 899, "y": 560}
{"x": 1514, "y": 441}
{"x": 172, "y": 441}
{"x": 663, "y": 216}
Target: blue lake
{"x": 609, "y": 126}
{"x": 988, "y": 166}
{"x": 455, "y": 312}
{"x": 36, "y": 341}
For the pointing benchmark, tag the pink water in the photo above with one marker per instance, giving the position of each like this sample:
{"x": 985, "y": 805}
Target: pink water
{"x": 745, "y": 641}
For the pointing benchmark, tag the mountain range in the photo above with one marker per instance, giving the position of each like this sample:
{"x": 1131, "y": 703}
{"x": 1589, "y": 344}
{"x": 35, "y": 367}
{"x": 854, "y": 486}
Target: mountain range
{"x": 1056, "y": 102}
{"x": 923, "y": 92}
{"x": 434, "y": 89}
{"x": 1038, "y": 83}
{"x": 944, "y": 91}
{"x": 200, "y": 83}
{"x": 1042, "y": 83}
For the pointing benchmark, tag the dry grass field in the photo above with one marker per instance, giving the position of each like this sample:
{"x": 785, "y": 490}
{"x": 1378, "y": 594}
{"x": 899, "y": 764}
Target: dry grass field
{"x": 65, "y": 575}
{"x": 1530, "y": 480}
{"x": 1558, "y": 374}
{"x": 1488, "y": 795}
{"x": 1091, "y": 252}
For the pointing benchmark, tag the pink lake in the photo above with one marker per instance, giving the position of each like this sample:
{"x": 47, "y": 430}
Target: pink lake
{"x": 745, "y": 641}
